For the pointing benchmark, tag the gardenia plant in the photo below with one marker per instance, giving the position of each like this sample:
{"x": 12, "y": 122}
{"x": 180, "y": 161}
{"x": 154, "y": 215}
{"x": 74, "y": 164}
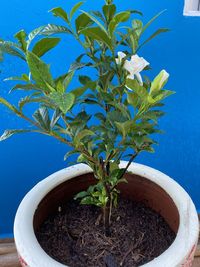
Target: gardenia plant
{"x": 125, "y": 104}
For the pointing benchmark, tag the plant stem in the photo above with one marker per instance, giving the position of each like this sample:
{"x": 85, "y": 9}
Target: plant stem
{"x": 108, "y": 205}
{"x": 129, "y": 163}
{"x": 106, "y": 216}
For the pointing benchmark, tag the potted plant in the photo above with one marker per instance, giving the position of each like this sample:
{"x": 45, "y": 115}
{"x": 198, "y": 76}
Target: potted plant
{"x": 103, "y": 211}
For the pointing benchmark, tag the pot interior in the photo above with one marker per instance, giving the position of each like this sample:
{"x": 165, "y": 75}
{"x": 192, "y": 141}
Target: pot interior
{"x": 137, "y": 189}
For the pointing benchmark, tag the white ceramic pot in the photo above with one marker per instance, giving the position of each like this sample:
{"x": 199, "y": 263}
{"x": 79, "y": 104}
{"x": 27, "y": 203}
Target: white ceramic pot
{"x": 179, "y": 254}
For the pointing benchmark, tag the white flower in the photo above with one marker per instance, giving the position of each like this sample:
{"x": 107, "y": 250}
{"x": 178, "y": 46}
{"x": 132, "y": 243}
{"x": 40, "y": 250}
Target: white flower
{"x": 121, "y": 55}
{"x": 133, "y": 66}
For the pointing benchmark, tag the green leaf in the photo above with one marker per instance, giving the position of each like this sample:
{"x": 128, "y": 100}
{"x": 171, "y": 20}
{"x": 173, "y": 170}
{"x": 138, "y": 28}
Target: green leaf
{"x": 124, "y": 127}
{"x": 79, "y": 91}
{"x": 24, "y": 87}
{"x": 60, "y": 12}
{"x": 33, "y": 34}
{"x": 82, "y": 22}
{"x": 132, "y": 84}
{"x": 137, "y": 25}
{"x": 133, "y": 11}
{"x": 118, "y": 18}
{"x": 161, "y": 96}
{"x": 28, "y": 99}
{"x": 109, "y": 11}
{"x": 40, "y": 71}
{"x": 63, "y": 101}
{"x": 156, "y": 33}
{"x": 152, "y": 20}
{"x": 8, "y": 105}
{"x": 153, "y": 115}
{"x": 44, "y": 45}
{"x": 24, "y": 78}
{"x": 11, "y": 48}
{"x": 51, "y": 29}
{"x": 56, "y": 116}
{"x": 21, "y": 37}
{"x": 77, "y": 66}
{"x": 133, "y": 99}
{"x": 94, "y": 20}
{"x": 90, "y": 201}
{"x": 68, "y": 79}
{"x": 98, "y": 15}
{"x": 81, "y": 135}
{"x": 69, "y": 153}
{"x": 42, "y": 117}
{"x": 63, "y": 81}
{"x": 81, "y": 195}
{"x": 75, "y": 8}
{"x": 99, "y": 35}
{"x": 84, "y": 79}
{"x": 9, "y": 133}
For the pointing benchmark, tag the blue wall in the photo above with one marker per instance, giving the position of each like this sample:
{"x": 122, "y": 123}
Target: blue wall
{"x": 26, "y": 159}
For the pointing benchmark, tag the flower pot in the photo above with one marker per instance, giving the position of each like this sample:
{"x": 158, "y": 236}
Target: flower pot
{"x": 159, "y": 191}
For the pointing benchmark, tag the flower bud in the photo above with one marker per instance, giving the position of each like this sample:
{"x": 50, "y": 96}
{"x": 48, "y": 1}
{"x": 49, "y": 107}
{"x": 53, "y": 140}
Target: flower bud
{"x": 159, "y": 82}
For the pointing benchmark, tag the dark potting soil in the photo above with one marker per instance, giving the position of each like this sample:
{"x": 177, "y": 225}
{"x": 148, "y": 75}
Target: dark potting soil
{"x": 75, "y": 236}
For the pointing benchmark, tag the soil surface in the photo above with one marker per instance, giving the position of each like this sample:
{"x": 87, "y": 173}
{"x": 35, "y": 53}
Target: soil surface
{"x": 75, "y": 236}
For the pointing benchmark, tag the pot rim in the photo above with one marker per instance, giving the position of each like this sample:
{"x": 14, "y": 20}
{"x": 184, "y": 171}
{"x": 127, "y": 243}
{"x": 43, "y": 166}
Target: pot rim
{"x": 186, "y": 239}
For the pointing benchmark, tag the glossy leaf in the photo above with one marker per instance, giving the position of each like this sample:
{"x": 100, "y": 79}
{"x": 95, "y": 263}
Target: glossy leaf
{"x": 55, "y": 118}
{"x": 156, "y": 33}
{"x": 133, "y": 11}
{"x": 8, "y": 105}
{"x": 51, "y": 29}
{"x": 12, "y": 49}
{"x": 33, "y": 34}
{"x": 70, "y": 153}
{"x": 81, "y": 195}
{"x": 75, "y": 8}
{"x": 24, "y": 78}
{"x": 95, "y": 21}
{"x": 9, "y": 133}
{"x": 44, "y": 45}
{"x": 21, "y": 37}
{"x": 77, "y": 66}
{"x": 68, "y": 79}
{"x": 24, "y": 87}
{"x": 152, "y": 20}
{"x": 98, "y": 15}
{"x": 97, "y": 34}
{"x": 60, "y": 12}
{"x": 109, "y": 11}
{"x": 81, "y": 135}
{"x": 41, "y": 116}
{"x": 40, "y": 71}
{"x": 124, "y": 127}
{"x": 63, "y": 101}
{"x": 29, "y": 99}
{"x": 82, "y": 21}
{"x": 118, "y": 18}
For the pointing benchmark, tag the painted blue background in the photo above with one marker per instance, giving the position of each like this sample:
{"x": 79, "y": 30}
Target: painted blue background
{"x": 26, "y": 159}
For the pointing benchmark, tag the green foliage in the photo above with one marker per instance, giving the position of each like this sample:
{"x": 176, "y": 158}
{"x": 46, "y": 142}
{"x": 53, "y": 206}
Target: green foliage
{"x": 40, "y": 72}
{"x": 9, "y": 133}
{"x": 7, "y": 47}
{"x": 117, "y": 19}
{"x": 59, "y": 12}
{"x": 44, "y": 45}
{"x": 51, "y": 29}
{"x": 63, "y": 101}
{"x": 127, "y": 106}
